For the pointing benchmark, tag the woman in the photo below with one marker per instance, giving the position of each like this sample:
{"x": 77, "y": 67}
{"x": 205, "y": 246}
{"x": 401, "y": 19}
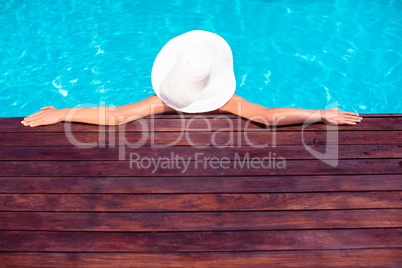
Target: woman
{"x": 193, "y": 73}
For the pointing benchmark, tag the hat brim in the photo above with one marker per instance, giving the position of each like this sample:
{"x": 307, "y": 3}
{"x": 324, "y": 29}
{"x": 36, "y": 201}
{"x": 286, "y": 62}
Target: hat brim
{"x": 223, "y": 83}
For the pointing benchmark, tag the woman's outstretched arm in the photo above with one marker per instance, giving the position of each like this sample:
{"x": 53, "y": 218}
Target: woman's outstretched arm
{"x": 287, "y": 116}
{"x": 98, "y": 115}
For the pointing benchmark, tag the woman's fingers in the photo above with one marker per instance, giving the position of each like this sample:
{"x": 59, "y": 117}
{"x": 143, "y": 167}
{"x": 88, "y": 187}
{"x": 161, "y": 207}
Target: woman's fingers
{"x": 34, "y": 123}
{"x": 33, "y": 119}
{"x": 356, "y": 118}
{"x": 46, "y": 116}
{"x": 353, "y": 119}
{"x": 36, "y": 119}
{"x": 338, "y": 117}
{"x": 28, "y": 122}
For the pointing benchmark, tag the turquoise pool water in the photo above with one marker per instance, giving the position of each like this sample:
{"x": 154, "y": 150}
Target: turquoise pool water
{"x": 288, "y": 53}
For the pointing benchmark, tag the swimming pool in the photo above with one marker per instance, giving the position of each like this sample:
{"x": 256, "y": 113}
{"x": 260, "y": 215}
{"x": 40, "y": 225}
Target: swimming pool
{"x": 289, "y": 53}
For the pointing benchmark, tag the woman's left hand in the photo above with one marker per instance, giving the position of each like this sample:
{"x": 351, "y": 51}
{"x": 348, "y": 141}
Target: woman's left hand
{"x": 46, "y": 116}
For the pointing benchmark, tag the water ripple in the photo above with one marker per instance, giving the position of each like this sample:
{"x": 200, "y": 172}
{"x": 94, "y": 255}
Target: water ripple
{"x": 64, "y": 53}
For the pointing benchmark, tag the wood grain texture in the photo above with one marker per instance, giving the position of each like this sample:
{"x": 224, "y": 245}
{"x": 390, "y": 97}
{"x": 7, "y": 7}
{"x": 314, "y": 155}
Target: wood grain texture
{"x": 194, "y": 139}
{"x": 139, "y": 166}
{"x": 63, "y": 205}
{"x": 200, "y": 221}
{"x": 200, "y": 241}
{"x": 212, "y": 184}
{"x": 287, "y": 152}
{"x": 199, "y": 202}
{"x": 295, "y": 258}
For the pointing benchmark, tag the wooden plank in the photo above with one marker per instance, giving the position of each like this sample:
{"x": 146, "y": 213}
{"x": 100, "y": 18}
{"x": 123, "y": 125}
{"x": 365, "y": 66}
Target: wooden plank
{"x": 306, "y": 258}
{"x": 238, "y": 184}
{"x": 164, "y": 139}
{"x": 139, "y": 166}
{"x": 201, "y": 123}
{"x": 199, "y": 221}
{"x": 380, "y": 115}
{"x": 200, "y": 241}
{"x": 199, "y": 202}
{"x": 287, "y": 152}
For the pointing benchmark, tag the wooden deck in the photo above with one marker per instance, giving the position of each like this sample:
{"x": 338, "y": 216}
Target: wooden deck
{"x": 109, "y": 205}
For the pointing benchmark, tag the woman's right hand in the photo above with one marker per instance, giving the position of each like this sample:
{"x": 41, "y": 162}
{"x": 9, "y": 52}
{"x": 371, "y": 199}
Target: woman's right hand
{"x": 46, "y": 116}
{"x": 334, "y": 116}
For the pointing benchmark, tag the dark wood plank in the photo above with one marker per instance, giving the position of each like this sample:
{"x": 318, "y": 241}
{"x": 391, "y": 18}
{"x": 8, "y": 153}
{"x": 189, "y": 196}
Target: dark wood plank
{"x": 139, "y": 166}
{"x": 383, "y": 115}
{"x": 318, "y": 219}
{"x": 200, "y": 241}
{"x": 164, "y": 139}
{"x": 287, "y": 152}
{"x": 199, "y": 221}
{"x": 199, "y": 202}
{"x": 306, "y": 258}
{"x": 200, "y": 123}
{"x": 219, "y": 184}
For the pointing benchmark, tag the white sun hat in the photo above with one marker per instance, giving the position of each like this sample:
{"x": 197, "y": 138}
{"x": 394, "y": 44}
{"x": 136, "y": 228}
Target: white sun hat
{"x": 193, "y": 72}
